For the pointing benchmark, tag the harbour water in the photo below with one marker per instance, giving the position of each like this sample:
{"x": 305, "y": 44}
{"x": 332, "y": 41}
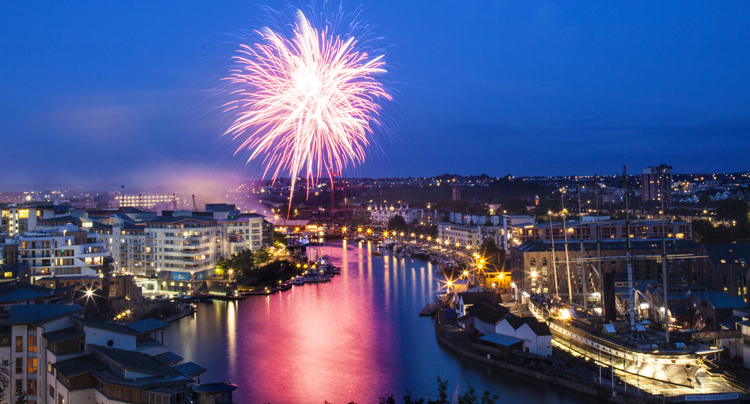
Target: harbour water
{"x": 353, "y": 339}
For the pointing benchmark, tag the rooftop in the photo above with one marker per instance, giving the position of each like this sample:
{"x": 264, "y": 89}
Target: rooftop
{"x": 66, "y": 334}
{"x": 135, "y": 361}
{"x": 499, "y": 339}
{"x": 190, "y": 369}
{"x": 168, "y": 358}
{"x": 487, "y": 311}
{"x": 147, "y": 325}
{"x": 729, "y": 254}
{"x": 39, "y": 314}
{"x": 78, "y": 366}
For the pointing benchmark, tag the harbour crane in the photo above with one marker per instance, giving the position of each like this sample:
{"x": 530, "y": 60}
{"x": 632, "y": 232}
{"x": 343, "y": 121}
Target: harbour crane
{"x": 332, "y": 175}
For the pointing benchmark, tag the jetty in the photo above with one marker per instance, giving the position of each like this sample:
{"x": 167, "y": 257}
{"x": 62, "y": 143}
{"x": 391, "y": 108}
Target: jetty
{"x": 430, "y": 309}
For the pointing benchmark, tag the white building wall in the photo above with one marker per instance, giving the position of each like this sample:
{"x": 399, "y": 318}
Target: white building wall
{"x": 540, "y": 345}
{"x": 505, "y": 328}
{"x": 101, "y": 337}
{"x": 483, "y": 327}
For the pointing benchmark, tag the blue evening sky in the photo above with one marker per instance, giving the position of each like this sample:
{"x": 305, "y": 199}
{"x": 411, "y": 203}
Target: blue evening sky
{"x": 107, "y": 91}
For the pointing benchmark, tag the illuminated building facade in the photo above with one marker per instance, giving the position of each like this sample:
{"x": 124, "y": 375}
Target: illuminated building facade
{"x": 178, "y": 250}
{"x": 242, "y": 233}
{"x": 144, "y": 201}
{"x": 62, "y": 252}
{"x": 532, "y": 267}
{"x": 656, "y": 183}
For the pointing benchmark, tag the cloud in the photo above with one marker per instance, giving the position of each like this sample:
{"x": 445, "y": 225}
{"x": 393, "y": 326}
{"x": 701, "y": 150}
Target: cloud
{"x": 108, "y": 116}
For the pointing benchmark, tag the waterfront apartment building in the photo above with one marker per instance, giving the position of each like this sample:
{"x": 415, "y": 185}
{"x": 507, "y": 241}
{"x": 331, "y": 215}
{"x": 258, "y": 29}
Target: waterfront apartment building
{"x": 471, "y": 236}
{"x": 656, "y": 183}
{"x": 176, "y": 249}
{"x": 468, "y": 237}
{"x": 64, "y": 251}
{"x": 533, "y": 267}
{"x": 245, "y": 232}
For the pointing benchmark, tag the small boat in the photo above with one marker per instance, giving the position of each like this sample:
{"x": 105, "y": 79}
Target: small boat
{"x": 299, "y": 280}
{"x": 441, "y": 296}
{"x": 285, "y": 286}
{"x": 336, "y": 270}
{"x": 376, "y": 253}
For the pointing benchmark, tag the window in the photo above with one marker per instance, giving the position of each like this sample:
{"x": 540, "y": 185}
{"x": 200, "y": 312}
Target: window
{"x": 19, "y": 366}
{"x": 19, "y": 344}
{"x": 32, "y": 344}
{"x": 19, "y": 384}
{"x": 31, "y": 365}
{"x": 50, "y": 368}
{"x": 51, "y": 391}
{"x": 32, "y": 387}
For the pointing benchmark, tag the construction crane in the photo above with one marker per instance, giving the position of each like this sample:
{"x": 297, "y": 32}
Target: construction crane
{"x": 332, "y": 175}
{"x": 194, "y": 207}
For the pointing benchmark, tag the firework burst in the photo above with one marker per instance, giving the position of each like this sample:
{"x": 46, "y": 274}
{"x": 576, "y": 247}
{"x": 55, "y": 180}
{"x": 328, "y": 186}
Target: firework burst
{"x": 306, "y": 104}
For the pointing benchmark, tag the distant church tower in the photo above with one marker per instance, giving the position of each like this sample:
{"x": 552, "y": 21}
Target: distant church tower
{"x": 456, "y": 193}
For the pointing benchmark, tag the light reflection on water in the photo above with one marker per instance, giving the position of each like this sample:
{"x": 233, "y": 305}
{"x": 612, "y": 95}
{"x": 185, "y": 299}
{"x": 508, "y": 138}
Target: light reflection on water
{"x": 354, "y": 338}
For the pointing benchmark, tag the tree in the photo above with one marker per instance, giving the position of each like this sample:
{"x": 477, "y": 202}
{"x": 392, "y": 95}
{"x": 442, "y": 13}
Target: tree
{"x": 515, "y": 206}
{"x": 5, "y": 377}
{"x": 261, "y": 257}
{"x": 221, "y": 267}
{"x": 279, "y": 240}
{"x": 733, "y": 210}
{"x": 470, "y": 397}
{"x": 397, "y": 223}
{"x": 21, "y": 397}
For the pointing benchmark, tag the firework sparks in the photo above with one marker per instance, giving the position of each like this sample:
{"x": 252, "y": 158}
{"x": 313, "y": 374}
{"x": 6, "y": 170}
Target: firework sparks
{"x": 305, "y": 104}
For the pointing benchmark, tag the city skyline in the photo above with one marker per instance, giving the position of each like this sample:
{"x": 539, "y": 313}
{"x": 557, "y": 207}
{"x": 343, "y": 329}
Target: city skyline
{"x": 525, "y": 89}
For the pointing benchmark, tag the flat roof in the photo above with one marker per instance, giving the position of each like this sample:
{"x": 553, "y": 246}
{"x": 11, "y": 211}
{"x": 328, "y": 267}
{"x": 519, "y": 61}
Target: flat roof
{"x": 500, "y": 339}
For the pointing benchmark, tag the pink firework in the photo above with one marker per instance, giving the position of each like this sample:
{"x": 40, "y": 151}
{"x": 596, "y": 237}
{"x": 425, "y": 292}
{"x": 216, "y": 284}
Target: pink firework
{"x": 307, "y": 104}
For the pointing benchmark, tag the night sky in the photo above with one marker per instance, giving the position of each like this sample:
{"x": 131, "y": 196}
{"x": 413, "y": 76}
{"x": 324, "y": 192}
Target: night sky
{"x": 103, "y": 91}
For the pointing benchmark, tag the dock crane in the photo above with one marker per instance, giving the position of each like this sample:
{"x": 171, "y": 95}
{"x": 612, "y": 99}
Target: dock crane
{"x": 194, "y": 207}
{"x": 332, "y": 175}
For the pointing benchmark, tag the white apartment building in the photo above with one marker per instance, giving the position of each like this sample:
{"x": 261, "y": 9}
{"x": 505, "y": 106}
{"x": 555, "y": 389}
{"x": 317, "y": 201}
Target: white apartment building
{"x": 471, "y": 237}
{"x": 381, "y": 214}
{"x": 57, "y": 357}
{"x": 242, "y": 233}
{"x": 64, "y": 251}
{"x": 22, "y": 347}
{"x": 462, "y": 235}
{"x": 176, "y": 249}
{"x": 21, "y": 219}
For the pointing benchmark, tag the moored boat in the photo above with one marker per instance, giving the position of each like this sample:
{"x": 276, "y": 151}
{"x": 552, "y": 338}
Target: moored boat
{"x": 671, "y": 366}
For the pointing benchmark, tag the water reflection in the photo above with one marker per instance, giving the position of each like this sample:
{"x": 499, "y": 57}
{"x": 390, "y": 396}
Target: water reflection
{"x": 354, "y": 338}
